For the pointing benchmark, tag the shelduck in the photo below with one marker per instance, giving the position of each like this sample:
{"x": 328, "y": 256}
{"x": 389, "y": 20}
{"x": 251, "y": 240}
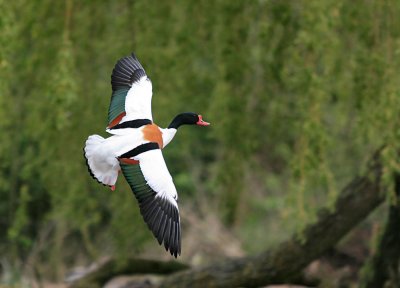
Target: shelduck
{"x": 134, "y": 148}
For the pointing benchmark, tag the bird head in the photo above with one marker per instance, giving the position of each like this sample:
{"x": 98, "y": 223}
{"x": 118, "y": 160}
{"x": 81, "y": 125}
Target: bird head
{"x": 188, "y": 118}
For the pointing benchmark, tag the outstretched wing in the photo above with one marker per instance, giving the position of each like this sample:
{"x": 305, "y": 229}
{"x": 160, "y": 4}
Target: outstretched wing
{"x": 132, "y": 92}
{"x": 155, "y": 191}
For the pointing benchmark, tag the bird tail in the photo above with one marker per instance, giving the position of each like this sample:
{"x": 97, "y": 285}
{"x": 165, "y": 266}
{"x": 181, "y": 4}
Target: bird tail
{"x": 101, "y": 165}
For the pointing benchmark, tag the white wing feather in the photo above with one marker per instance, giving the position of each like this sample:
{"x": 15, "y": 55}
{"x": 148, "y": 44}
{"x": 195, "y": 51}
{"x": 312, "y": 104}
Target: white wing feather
{"x": 138, "y": 100}
{"x": 156, "y": 173}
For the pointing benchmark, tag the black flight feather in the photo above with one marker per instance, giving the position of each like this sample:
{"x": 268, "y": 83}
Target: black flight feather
{"x": 127, "y": 71}
{"x": 160, "y": 215}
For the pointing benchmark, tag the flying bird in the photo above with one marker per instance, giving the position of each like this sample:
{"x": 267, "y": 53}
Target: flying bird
{"x": 134, "y": 148}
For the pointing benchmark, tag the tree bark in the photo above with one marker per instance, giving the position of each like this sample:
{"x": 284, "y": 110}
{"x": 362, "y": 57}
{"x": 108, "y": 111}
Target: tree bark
{"x": 283, "y": 264}
{"x": 111, "y": 268}
{"x": 383, "y": 267}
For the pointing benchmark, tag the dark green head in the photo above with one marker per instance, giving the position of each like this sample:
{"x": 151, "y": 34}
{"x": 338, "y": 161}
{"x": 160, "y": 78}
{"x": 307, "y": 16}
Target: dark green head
{"x": 187, "y": 118}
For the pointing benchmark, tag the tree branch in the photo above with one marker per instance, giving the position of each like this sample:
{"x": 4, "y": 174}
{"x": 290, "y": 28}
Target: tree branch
{"x": 383, "y": 266}
{"x": 284, "y": 263}
{"x": 111, "y": 268}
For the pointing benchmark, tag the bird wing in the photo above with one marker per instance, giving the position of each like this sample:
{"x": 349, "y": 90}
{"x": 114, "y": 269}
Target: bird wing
{"x": 132, "y": 92}
{"x": 155, "y": 191}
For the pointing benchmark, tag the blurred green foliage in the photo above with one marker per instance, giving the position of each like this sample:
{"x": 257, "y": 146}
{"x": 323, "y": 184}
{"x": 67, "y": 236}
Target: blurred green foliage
{"x": 299, "y": 93}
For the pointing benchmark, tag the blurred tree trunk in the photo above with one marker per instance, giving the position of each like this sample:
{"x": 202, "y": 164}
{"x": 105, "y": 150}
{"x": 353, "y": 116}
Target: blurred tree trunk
{"x": 286, "y": 262}
{"x": 383, "y": 266}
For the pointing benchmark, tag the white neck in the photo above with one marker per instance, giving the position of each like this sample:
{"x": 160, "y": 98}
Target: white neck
{"x": 167, "y": 135}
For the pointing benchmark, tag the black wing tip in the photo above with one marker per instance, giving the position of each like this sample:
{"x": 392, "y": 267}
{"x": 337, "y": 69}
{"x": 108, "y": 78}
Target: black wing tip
{"x": 126, "y": 71}
{"x": 137, "y": 75}
{"x": 162, "y": 218}
{"x": 133, "y": 55}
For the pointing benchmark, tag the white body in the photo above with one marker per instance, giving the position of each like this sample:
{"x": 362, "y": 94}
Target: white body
{"x": 102, "y": 153}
